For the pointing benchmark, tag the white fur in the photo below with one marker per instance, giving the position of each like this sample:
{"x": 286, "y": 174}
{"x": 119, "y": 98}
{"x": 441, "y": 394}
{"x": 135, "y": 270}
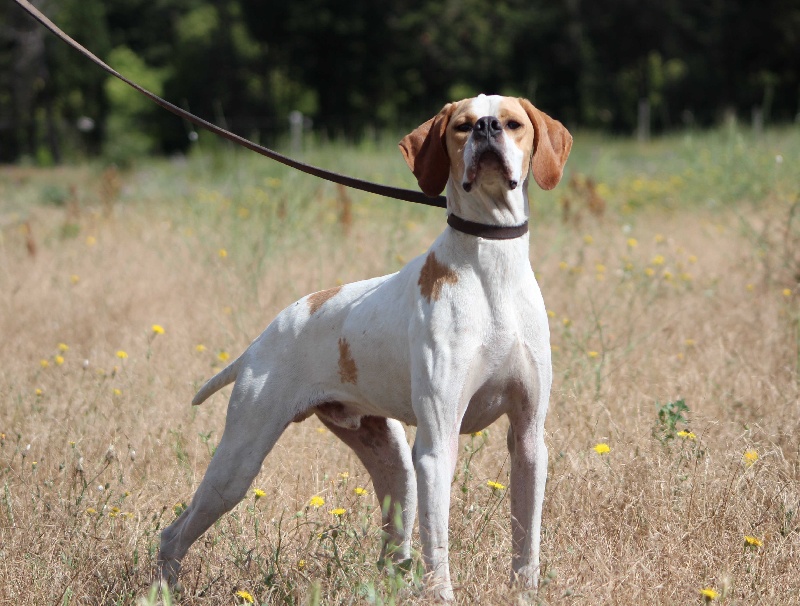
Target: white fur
{"x": 449, "y": 365}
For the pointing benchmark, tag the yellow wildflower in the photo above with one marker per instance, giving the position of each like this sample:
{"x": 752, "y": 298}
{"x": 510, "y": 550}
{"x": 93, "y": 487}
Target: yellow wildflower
{"x": 258, "y": 493}
{"x": 59, "y": 360}
{"x": 44, "y": 363}
{"x": 708, "y": 594}
{"x": 752, "y": 541}
{"x": 566, "y": 321}
{"x": 659, "y": 238}
{"x": 563, "y": 265}
{"x": 245, "y": 595}
{"x": 750, "y": 288}
{"x": 321, "y": 430}
{"x": 117, "y": 391}
{"x": 495, "y": 485}
{"x": 360, "y": 491}
{"x": 658, "y": 260}
{"x": 687, "y": 435}
{"x": 588, "y": 239}
{"x": 344, "y": 475}
{"x": 301, "y": 564}
{"x": 787, "y": 292}
{"x": 632, "y": 243}
{"x": 223, "y": 356}
{"x": 122, "y": 354}
{"x": 38, "y": 391}
{"x": 689, "y": 342}
{"x": 692, "y": 259}
{"x": 222, "y": 253}
{"x": 551, "y": 313}
{"x": 749, "y": 457}
{"x": 592, "y": 354}
{"x": 157, "y": 329}
{"x": 74, "y": 278}
{"x": 602, "y": 448}
{"x": 91, "y": 241}
{"x": 649, "y": 272}
{"x": 63, "y": 347}
{"x": 200, "y": 348}
{"x": 91, "y": 511}
{"x": 316, "y": 501}
{"x": 600, "y": 268}
{"x": 339, "y": 511}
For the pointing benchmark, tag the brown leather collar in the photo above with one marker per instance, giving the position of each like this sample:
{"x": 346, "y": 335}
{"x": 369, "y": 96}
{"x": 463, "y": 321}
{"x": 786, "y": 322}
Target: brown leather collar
{"x": 482, "y": 230}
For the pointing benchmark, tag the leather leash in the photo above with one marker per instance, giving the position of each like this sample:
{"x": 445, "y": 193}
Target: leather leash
{"x": 374, "y": 188}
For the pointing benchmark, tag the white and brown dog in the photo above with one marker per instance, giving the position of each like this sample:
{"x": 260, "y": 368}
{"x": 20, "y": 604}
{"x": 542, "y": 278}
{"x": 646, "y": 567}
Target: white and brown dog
{"x": 449, "y": 343}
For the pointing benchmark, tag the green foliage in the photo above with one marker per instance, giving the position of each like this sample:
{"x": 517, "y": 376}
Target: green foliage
{"x": 670, "y": 415}
{"x": 129, "y": 134}
{"x": 159, "y": 595}
{"x": 352, "y": 66}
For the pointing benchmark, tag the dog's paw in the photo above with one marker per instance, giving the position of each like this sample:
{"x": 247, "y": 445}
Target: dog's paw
{"x": 440, "y": 590}
{"x": 526, "y": 577}
{"x": 168, "y": 570}
{"x": 443, "y": 594}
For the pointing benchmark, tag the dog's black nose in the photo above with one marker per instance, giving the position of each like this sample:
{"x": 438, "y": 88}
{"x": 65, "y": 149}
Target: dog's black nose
{"x": 488, "y": 126}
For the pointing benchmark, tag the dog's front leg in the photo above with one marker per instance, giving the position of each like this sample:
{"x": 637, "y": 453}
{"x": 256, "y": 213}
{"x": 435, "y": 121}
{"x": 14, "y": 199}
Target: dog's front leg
{"x": 528, "y": 477}
{"x": 435, "y": 450}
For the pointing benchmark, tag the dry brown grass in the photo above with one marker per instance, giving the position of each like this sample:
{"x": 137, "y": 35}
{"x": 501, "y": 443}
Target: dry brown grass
{"x": 652, "y": 521}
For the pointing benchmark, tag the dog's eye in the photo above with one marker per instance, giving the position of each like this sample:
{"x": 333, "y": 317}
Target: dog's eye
{"x": 513, "y": 125}
{"x": 464, "y": 127}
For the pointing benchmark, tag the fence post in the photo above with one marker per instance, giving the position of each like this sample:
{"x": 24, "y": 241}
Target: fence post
{"x": 643, "y": 121}
{"x": 296, "y": 121}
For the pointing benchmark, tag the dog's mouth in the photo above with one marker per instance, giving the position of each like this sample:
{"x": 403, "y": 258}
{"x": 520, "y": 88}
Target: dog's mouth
{"x": 489, "y": 160}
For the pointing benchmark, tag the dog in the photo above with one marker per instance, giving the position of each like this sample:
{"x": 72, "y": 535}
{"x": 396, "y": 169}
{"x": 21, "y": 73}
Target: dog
{"x": 451, "y": 342}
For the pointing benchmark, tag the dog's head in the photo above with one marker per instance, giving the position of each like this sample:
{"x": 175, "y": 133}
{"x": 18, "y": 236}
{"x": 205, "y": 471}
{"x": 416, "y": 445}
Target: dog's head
{"x": 488, "y": 142}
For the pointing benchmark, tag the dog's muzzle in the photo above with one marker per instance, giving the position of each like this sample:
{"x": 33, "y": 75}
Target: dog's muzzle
{"x": 487, "y": 152}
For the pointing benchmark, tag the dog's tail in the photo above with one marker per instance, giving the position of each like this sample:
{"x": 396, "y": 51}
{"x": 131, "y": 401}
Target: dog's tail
{"x": 221, "y": 379}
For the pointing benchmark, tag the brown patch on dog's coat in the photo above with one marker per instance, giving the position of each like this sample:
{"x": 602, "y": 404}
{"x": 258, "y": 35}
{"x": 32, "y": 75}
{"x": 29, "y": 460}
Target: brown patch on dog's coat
{"x": 348, "y": 371}
{"x": 433, "y": 276}
{"x": 318, "y": 299}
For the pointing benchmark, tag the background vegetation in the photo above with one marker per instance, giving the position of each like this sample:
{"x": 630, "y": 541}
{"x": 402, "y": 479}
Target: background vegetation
{"x": 358, "y": 65}
{"x": 670, "y": 272}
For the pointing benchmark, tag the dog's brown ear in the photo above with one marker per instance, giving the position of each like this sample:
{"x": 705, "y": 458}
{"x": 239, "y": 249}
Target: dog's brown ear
{"x": 551, "y": 146}
{"x": 425, "y": 152}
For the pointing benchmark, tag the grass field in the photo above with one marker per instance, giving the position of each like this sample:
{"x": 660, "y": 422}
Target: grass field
{"x": 672, "y": 285}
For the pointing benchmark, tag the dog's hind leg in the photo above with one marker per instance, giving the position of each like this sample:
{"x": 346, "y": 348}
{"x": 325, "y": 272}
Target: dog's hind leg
{"x": 381, "y": 446}
{"x": 251, "y": 430}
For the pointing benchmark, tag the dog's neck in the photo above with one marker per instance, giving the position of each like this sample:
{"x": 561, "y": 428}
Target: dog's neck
{"x": 500, "y": 258}
{"x": 490, "y": 206}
